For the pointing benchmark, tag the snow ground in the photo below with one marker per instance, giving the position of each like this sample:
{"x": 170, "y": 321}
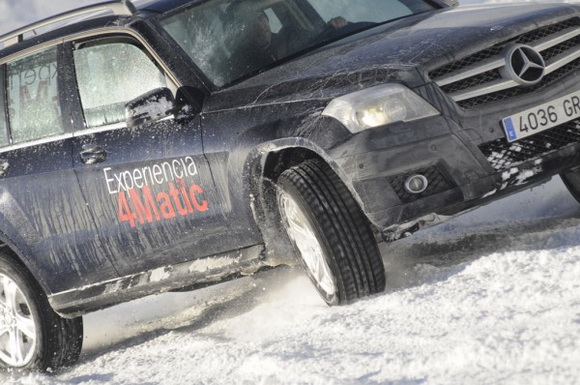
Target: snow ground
{"x": 490, "y": 297}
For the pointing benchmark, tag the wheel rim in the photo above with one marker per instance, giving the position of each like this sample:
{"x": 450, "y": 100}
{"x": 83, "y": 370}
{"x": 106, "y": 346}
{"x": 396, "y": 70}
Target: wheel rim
{"x": 301, "y": 232}
{"x": 17, "y": 326}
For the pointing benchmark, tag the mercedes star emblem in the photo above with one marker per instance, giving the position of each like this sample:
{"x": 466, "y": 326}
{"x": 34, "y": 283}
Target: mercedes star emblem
{"x": 524, "y": 65}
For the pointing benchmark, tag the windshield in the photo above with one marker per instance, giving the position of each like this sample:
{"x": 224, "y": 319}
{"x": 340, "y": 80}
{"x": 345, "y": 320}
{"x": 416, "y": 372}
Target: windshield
{"x": 229, "y": 39}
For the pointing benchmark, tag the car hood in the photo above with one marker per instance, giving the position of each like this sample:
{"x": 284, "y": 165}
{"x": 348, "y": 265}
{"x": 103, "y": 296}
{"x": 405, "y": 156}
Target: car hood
{"x": 402, "y": 51}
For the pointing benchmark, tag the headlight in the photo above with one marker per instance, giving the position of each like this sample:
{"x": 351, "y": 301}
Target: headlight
{"x": 377, "y": 106}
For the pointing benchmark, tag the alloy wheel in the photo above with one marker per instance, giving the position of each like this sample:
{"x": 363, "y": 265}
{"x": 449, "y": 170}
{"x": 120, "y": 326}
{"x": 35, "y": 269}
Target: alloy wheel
{"x": 18, "y": 332}
{"x": 301, "y": 232}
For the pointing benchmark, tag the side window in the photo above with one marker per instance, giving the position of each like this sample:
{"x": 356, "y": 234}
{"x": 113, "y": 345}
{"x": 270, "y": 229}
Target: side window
{"x": 275, "y": 23}
{"x": 111, "y": 74}
{"x": 33, "y": 102}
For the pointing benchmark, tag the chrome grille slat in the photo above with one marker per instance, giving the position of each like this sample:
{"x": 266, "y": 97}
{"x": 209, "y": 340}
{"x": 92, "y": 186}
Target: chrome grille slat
{"x": 477, "y": 79}
{"x": 498, "y": 85}
{"x": 471, "y": 71}
{"x": 561, "y": 61}
{"x": 560, "y": 38}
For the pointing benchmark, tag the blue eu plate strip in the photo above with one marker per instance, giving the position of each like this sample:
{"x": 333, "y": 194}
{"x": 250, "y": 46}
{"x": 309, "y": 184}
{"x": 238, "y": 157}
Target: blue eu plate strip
{"x": 509, "y": 128}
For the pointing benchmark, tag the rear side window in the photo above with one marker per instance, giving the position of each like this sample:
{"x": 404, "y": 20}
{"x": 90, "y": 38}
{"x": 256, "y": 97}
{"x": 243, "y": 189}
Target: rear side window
{"x": 111, "y": 74}
{"x": 32, "y": 93}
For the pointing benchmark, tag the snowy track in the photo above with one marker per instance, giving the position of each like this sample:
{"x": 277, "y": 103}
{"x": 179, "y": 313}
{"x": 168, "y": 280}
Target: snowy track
{"x": 491, "y": 297}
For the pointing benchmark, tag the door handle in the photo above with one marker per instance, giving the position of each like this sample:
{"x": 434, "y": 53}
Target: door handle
{"x": 91, "y": 154}
{"x": 4, "y": 166}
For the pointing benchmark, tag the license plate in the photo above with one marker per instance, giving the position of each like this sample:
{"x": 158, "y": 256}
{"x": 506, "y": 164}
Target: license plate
{"x": 543, "y": 117}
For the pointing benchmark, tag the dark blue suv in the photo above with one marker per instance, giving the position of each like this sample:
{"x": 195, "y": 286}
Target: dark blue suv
{"x": 172, "y": 144}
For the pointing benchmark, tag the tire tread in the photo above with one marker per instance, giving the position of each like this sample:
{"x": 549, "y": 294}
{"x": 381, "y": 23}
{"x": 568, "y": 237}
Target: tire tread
{"x": 347, "y": 232}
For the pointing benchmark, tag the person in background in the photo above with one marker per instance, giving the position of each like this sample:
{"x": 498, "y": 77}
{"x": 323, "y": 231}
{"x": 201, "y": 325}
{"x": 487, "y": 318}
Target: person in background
{"x": 250, "y": 39}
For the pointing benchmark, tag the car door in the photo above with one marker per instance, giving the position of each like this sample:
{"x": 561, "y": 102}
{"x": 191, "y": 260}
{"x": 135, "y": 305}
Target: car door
{"x": 148, "y": 187}
{"x": 42, "y": 210}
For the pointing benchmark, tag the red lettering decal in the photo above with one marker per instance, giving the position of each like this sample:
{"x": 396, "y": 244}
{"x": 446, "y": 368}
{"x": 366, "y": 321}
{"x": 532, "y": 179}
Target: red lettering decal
{"x": 165, "y": 206}
{"x": 193, "y": 190}
{"x": 182, "y": 187}
{"x": 141, "y": 206}
{"x": 125, "y": 213}
{"x": 144, "y": 211}
{"x": 175, "y": 195}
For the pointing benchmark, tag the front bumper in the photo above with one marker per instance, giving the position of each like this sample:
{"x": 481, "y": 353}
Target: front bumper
{"x": 462, "y": 170}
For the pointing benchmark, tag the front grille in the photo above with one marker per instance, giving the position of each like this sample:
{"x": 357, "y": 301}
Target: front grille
{"x": 503, "y": 155}
{"x": 437, "y": 183}
{"x": 477, "y": 80}
{"x": 519, "y": 91}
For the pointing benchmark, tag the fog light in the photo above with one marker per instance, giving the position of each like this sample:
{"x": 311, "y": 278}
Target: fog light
{"x": 416, "y": 184}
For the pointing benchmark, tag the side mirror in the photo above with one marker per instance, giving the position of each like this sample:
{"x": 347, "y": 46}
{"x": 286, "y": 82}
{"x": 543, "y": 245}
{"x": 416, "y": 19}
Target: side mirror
{"x": 152, "y": 106}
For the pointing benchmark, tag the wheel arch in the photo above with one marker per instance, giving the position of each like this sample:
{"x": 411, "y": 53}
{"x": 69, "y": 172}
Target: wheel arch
{"x": 263, "y": 166}
{"x": 270, "y": 159}
{"x": 10, "y": 248}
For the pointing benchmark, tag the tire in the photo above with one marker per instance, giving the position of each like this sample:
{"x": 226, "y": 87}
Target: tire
{"x": 32, "y": 335}
{"x": 572, "y": 181}
{"x": 329, "y": 233}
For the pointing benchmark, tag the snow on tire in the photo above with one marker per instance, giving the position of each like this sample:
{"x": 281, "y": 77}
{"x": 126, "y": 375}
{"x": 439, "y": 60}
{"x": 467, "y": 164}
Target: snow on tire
{"x": 32, "y": 335}
{"x": 330, "y": 233}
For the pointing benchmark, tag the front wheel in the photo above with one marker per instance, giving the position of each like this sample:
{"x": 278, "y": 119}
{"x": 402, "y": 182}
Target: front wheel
{"x": 330, "y": 233}
{"x": 32, "y": 335}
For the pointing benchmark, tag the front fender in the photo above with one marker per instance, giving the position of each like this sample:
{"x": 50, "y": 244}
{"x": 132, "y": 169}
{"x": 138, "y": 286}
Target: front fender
{"x": 262, "y": 167}
{"x": 256, "y": 160}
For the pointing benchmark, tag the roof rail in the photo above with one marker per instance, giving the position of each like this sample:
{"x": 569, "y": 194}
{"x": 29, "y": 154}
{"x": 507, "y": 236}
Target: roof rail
{"x": 118, "y": 7}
